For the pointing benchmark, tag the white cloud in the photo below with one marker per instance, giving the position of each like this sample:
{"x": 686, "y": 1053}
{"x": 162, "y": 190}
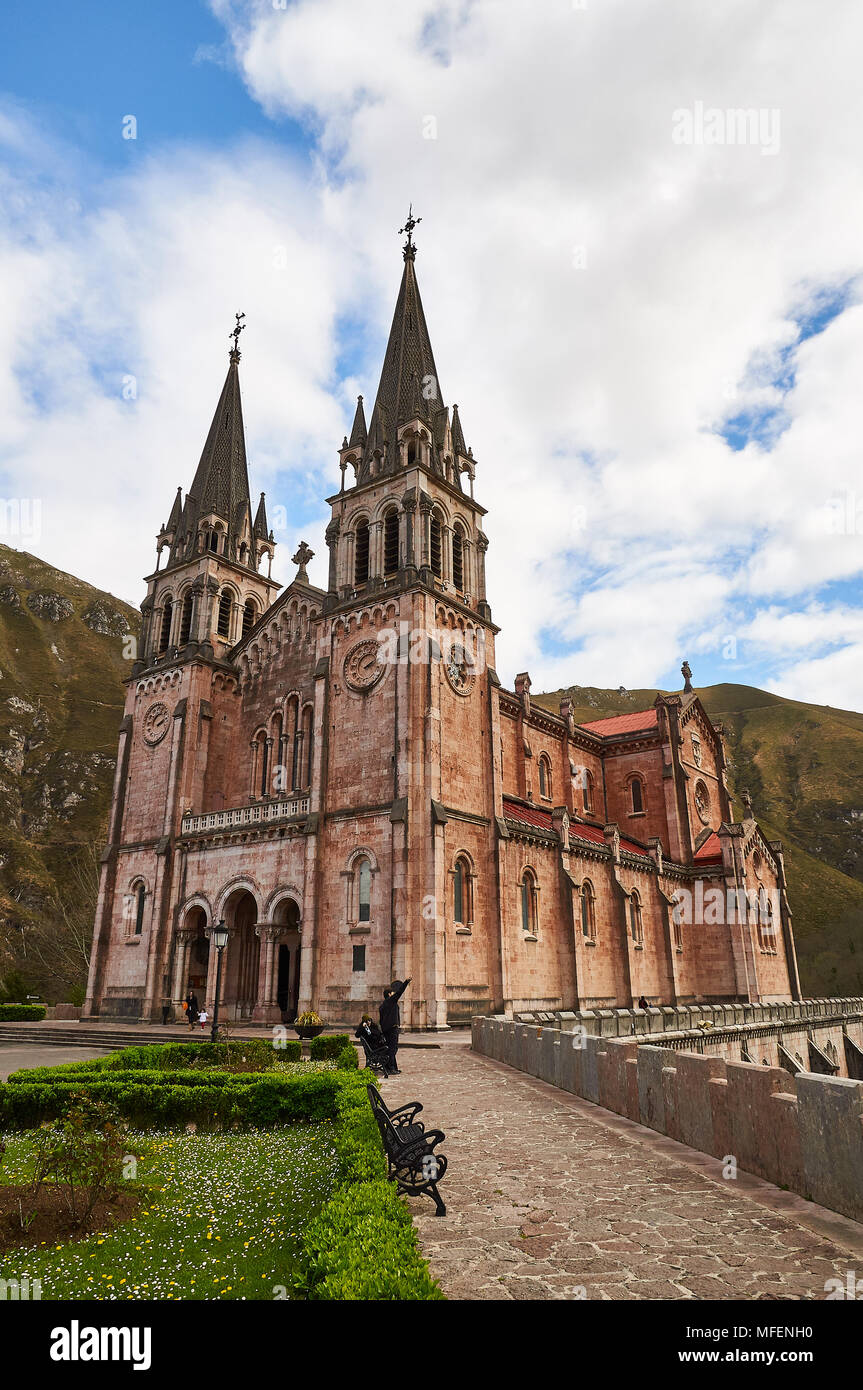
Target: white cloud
{"x": 595, "y": 294}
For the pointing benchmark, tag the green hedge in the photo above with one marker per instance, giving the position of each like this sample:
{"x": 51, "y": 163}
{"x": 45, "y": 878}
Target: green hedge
{"x": 328, "y": 1049}
{"x": 21, "y": 1013}
{"x": 255, "y": 1052}
{"x": 211, "y": 1099}
{"x": 362, "y": 1244}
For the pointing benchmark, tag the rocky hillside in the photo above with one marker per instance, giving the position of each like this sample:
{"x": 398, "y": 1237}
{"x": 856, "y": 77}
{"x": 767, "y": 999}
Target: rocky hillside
{"x": 804, "y": 767}
{"x": 63, "y": 654}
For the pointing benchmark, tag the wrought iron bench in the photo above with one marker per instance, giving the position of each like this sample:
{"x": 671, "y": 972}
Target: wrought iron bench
{"x": 377, "y": 1058}
{"x": 411, "y": 1161}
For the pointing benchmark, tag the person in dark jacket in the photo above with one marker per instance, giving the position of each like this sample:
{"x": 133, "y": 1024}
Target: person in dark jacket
{"x": 390, "y": 1020}
{"x": 192, "y": 1010}
{"x": 370, "y": 1031}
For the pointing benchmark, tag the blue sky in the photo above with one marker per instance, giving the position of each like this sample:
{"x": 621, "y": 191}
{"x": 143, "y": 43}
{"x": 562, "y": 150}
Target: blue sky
{"x": 655, "y": 349}
{"x": 82, "y": 67}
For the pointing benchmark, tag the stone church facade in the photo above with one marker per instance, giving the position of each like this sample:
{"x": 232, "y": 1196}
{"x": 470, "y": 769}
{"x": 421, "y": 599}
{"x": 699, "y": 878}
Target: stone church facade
{"x": 340, "y": 775}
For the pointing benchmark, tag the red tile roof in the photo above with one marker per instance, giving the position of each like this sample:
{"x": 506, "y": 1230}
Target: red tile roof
{"x": 622, "y": 723}
{"x": 710, "y": 850}
{"x": 536, "y": 815}
{"x": 594, "y": 833}
{"x": 528, "y": 815}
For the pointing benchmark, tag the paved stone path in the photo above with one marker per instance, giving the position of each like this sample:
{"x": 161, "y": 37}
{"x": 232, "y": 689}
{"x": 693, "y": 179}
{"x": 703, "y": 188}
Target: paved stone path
{"x": 14, "y": 1056}
{"x": 549, "y": 1197}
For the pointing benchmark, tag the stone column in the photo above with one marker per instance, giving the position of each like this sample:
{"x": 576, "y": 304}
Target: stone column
{"x": 184, "y": 938}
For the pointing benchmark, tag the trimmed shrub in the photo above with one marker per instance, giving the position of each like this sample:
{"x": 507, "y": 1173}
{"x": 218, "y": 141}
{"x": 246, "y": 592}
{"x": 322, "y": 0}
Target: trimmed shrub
{"x": 347, "y": 1059}
{"x": 328, "y": 1049}
{"x": 155, "y": 1098}
{"x": 362, "y": 1245}
{"x": 21, "y": 1013}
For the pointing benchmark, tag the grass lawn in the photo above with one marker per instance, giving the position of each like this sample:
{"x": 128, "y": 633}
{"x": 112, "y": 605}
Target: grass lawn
{"x": 221, "y": 1219}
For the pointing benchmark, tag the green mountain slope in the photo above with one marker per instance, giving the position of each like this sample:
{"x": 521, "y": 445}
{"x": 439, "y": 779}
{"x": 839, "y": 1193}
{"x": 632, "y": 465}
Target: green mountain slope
{"x": 804, "y": 767}
{"x": 62, "y": 661}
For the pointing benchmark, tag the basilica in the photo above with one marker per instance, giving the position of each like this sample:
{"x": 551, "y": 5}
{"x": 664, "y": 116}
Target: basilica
{"x": 341, "y": 778}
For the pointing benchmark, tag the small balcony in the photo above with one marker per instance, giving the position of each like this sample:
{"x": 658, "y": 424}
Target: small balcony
{"x": 243, "y": 817}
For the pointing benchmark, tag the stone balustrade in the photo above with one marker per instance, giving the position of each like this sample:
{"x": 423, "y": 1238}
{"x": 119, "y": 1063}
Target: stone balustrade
{"x": 240, "y": 817}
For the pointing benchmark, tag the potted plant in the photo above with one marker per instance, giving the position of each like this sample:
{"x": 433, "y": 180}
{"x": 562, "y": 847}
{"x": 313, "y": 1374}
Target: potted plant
{"x": 309, "y": 1024}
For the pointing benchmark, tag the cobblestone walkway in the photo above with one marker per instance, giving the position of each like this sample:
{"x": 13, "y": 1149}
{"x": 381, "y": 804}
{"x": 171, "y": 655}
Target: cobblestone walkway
{"x": 549, "y": 1197}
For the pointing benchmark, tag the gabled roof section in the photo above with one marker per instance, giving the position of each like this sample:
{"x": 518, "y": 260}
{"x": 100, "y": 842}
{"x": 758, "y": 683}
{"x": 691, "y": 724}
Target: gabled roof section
{"x": 640, "y": 721}
{"x": 710, "y": 852}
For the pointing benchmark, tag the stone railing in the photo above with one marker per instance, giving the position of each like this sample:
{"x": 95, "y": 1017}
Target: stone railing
{"x": 242, "y": 817}
{"x": 681, "y": 1018}
{"x": 803, "y": 1131}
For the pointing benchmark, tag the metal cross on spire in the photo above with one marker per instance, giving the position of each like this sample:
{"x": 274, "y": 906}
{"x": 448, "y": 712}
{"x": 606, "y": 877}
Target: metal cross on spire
{"x": 238, "y": 328}
{"x": 409, "y": 227}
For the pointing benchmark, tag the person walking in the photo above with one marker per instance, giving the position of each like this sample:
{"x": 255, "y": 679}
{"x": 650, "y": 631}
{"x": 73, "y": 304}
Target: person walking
{"x": 390, "y": 1020}
{"x": 191, "y": 1008}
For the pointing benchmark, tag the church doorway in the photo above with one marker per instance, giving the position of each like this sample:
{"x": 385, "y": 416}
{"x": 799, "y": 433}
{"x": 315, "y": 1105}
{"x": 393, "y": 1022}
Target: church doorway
{"x": 287, "y": 916}
{"x": 198, "y": 962}
{"x": 241, "y": 968}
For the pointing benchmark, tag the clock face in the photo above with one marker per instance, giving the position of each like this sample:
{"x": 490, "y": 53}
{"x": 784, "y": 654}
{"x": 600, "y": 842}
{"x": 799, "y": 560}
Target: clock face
{"x": 156, "y": 722}
{"x": 363, "y": 668}
{"x": 459, "y": 670}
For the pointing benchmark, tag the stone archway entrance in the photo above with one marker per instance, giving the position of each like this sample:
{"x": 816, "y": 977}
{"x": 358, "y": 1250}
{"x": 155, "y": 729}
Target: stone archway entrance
{"x": 191, "y": 958}
{"x": 287, "y": 915}
{"x": 241, "y": 966}
{"x": 279, "y": 986}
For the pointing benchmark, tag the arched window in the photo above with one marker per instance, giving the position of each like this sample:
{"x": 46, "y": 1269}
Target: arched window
{"x": 363, "y": 877}
{"x": 223, "y": 623}
{"x": 435, "y": 545}
{"x": 250, "y": 614}
{"x": 635, "y": 918}
{"x": 587, "y": 790}
{"x": 186, "y": 619}
{"x": 361, "y": 559}
{"x": 140, "y": 895}
{"x": 529, "y": 905}
{"x": 544, "y": 777}
{"x": 413, "y": 453}
{"x": 167, "y": 619}
{"x": 636, "y": 787}
{"x": 462, "y": 893}
{"x": 391, "y": 542}
{"x": 213, "y": 541}
{"x": 458, "y": 557}
{"x": 588, "y": 910}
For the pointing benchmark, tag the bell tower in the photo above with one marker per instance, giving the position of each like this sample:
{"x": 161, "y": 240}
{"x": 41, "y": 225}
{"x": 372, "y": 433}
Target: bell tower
{"x": 413, "y": 470}
{"x": 210, "y": 592}
{"x": 410, "y": 650}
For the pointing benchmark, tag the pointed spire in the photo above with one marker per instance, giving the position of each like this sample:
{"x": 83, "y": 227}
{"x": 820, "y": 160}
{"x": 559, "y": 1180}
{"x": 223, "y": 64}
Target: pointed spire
{"x": 359, "y": 433}
{"x": 176, "y": 511}
{"x": 221, "y": 482}
{"x": 261, "y": 529}
{"x": 409, "y": 387}
{"x": 458, "y": 444}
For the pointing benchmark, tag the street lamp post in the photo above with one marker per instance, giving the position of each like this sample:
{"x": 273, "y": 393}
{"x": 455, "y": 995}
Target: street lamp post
{"x": 219, "y": 937}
